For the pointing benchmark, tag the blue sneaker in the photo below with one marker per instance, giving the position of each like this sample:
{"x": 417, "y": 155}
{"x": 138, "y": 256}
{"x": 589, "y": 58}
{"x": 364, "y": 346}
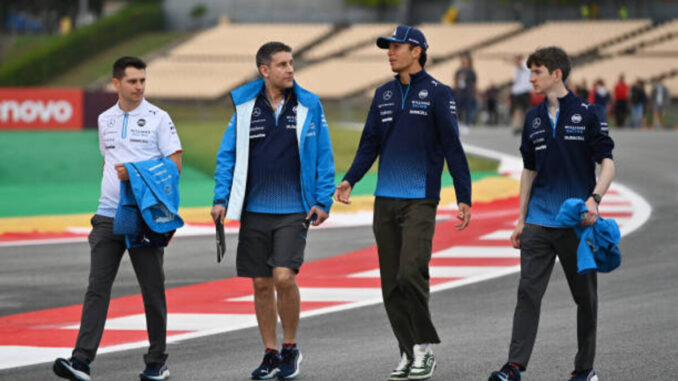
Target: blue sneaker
{"x": 508, "y": 372}
{"x": 583, "y": 375}
{"x": 72, "y": 369}
{"x": 290, "y": 361}
{"x": 155, "y": 371}
{"x": 269, "y": 366}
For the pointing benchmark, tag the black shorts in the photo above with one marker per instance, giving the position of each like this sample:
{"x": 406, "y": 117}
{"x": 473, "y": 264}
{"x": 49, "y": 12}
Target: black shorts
{"x": 270, "y": 240}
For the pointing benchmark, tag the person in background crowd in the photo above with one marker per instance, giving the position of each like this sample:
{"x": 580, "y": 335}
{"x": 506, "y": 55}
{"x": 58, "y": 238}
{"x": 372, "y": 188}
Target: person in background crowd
{"x": 621, "y": 101}
{"x": 491, "y": 96}
{"x": 638, "y": 103}
{"x": 520, "y": 94}
{"x": 601, "y": 98}
{"x": 465, "y": 90}
{"x": 660, "y": 99}
{"x": 582, "y": 89}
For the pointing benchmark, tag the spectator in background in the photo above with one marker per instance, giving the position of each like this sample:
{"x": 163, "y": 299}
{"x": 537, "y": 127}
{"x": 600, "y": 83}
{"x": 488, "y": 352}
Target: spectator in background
{"x": 660, "y": 99}
{"x": 621, "y": 101}
{"x": 601, "y": 98}
{"x": 582, "y": 89}
{"x": 491, "y": 95}
{"x": 638, "y": 103}
{"x": 520, "y": 94}
{"x": 465, "y": 90}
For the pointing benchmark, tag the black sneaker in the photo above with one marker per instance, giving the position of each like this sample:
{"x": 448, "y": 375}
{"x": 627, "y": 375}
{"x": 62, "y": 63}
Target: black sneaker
{"x": 155, "y": 371}
{"x": 269, "y": 366}
{"x": 72, "y": 369}
{"x": 290, "y": 361}
{"x": 508, "y": 372}
{"x": 583, "y": 375}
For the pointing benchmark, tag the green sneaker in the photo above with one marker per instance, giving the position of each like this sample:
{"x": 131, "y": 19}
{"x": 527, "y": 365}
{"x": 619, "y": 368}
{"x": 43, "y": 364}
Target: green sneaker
{"x": 424, "y": 363}
{"x": 402, "y": 371}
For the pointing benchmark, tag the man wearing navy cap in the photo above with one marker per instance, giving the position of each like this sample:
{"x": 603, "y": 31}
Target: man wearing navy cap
{"x": 412, "y": 127}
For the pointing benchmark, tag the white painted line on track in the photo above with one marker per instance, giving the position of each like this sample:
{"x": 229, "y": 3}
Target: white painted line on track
{"x": 181, "y": 322}
{"x": 498, "y": 235}
{"x": 478, "y": 252}
{"x": 329, "y": 294}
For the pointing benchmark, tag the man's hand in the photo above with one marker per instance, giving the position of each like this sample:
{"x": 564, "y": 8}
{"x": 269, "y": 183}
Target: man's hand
{"x": 218, "y": 213}
{"x": 464, "y": 215}
{"x": 515, "y": 236}
{"x": 320, "y": 216}
{"x": 343, "y": 192}
{"x": 591, "y": 213}
{"x": 122, "y": 172}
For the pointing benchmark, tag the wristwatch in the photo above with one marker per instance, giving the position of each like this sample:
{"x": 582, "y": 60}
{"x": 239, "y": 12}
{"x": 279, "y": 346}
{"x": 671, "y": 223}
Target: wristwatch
{"x": 596, "y": 197}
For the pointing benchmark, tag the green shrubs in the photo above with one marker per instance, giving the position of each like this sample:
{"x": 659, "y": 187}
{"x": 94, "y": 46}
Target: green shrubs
{"x": 60, "y": 53}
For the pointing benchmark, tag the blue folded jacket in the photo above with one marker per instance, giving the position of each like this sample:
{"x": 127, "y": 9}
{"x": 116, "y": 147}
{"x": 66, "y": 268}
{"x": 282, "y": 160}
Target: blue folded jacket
{"x": 147, "y": 211}
{"x": 598, "y": 246}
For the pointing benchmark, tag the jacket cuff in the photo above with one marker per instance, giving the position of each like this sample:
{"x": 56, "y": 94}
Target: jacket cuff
{"x": 219, "y": 202}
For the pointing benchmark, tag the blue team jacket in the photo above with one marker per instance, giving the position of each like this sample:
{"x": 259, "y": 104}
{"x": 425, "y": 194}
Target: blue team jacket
{"x": 598, "y": 244}
{"x": 147, "y": 211}
{"x": 564, "y": 155}
{"x": 315, "y": 152}
{"x": 412, "y": 129}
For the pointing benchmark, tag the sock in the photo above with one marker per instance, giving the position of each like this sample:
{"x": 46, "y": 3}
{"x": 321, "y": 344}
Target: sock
{"x": 289, "y": 346}
{"x": 275, "y": 351}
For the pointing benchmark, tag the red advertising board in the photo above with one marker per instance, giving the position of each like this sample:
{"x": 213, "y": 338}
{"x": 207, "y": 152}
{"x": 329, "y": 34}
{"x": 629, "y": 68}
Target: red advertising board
{"x": 40, "y": 108}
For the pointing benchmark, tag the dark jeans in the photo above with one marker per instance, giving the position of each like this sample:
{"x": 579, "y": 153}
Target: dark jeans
{"x": 107, "y": 250}
{"x": 538, "y": 249}
{"x": 404, "y": 233}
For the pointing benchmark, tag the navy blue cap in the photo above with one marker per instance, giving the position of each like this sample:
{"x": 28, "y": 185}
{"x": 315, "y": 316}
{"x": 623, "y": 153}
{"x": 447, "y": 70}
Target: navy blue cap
{"x": 404, "y": 33}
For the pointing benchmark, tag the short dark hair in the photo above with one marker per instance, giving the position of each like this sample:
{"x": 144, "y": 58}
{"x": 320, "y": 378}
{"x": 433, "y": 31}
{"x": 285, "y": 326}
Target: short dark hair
{"x": 267, "y": 50}
{"x": 123, "y": 63}
{"x": 422, "y": 56}
{"x": 553, "y": 58}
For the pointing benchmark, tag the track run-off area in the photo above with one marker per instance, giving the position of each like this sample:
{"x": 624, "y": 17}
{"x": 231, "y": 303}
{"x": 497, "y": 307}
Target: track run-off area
{"x": 345, "y": 281}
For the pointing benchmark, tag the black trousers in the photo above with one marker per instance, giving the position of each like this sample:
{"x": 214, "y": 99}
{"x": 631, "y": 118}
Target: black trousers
{"x": 404, "y": 233}
{"x": 107, "y": 250}
{"x": 539, "y": 246}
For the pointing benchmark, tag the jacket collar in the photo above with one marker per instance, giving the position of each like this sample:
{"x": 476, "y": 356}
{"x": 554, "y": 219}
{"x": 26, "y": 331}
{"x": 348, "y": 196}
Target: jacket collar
{"x": 414, "y": 77}
{"x": 252, "y": 89}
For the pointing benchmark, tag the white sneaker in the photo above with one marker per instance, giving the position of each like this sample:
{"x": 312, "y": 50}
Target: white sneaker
{"x": 402, "y": 371}
{"x": 424, "y": 363}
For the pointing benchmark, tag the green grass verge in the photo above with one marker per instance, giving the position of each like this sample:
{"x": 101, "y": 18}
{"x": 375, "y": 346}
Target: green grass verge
{"x": 100, "y": 65}
{"x": 21, "y": 45}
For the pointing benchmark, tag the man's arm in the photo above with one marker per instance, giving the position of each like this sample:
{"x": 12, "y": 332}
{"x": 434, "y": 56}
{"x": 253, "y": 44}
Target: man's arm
{"x": 176, "y": 158}
{"x": 223, "y": 175}
{"x": 448, "y": 133}
{"x": 324, "y": 173}
{"x": 368, "y": 150}
{"x": 526, "y": 179}
{"x": 607, "y": 170}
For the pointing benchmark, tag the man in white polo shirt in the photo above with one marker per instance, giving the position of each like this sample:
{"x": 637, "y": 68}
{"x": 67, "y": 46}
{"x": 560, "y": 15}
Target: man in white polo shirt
{"x": 130, "y": 131}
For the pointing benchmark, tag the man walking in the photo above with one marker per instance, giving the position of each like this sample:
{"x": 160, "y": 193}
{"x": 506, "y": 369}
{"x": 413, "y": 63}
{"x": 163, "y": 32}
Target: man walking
{"x": 562, "y": 140}
{"x": 132, "y": 130}
{"x": 275, "y": 173}
{"x": 411, "y": 126}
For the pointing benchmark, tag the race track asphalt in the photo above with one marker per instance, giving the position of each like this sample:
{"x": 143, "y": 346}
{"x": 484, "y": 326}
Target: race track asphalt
{"x": 638, "y": 310}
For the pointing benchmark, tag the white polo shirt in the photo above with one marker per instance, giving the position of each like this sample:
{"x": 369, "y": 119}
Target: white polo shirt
{"x": 145, "y": 133}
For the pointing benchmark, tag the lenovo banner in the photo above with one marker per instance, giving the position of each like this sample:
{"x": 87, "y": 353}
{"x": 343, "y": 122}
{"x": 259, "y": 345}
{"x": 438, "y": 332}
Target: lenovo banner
{"x": 41, "y": 108}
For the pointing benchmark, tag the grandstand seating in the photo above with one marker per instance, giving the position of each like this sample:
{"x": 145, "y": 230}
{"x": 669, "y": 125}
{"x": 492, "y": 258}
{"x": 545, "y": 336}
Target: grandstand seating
{"x": 367, "y": 67}
{"x": 576, "y": 37}
{"x": 351, "y": 37}
{"x": 216, "y": 60}
{"x": 633, "y": 67}
{"x": 445, "y": 39}
{"x": 669, "y": 46}
{"x": 641, "y": 39}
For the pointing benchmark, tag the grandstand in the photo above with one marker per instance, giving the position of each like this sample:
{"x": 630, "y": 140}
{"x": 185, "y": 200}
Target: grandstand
{"x": 340, "y": 62}
{"x": 221, "y": 58}
{"x": 576, "y": 37}
{"x": 663, "y": 31}
{"x": 367, "y": 67}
